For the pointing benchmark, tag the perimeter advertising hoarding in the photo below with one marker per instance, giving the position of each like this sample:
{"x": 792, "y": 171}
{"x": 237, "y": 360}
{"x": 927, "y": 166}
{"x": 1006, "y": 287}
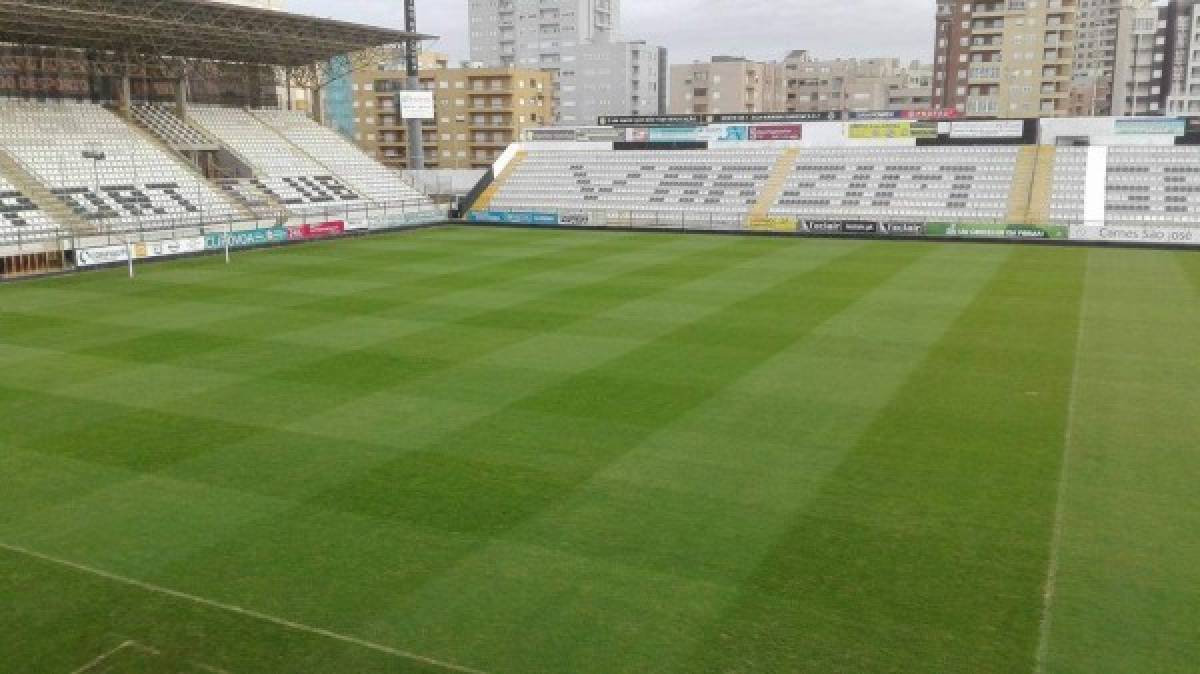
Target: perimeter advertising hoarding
{"x": 323, "y": 230}
{"x": 774, "y": 117}
{"x": 772, "y": 224}
{"x": 1151, "y": 234}
{"x": 91, "y": 257}
{"x": 777, "y": 132}
{"x": 666, "y": 134}
{"x": 550, "y": 135}
{"x": 1006, "y": 128}
{"x": 653, "y": 120}
{"x": 252, "y": 237}
{"x": 865, "y": 130}
{"x": 839, "y": 226}
{"x": 1150, "y": 127}
{"x": 932, "y": 115}
{"x": 732, "y": 118}
{"x": 513, "y": 217}
{"x": 998, "y": 231}
{"x": 167, "y": 248}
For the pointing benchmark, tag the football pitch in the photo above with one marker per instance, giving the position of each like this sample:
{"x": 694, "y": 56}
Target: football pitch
{"x": 476, "y": 450}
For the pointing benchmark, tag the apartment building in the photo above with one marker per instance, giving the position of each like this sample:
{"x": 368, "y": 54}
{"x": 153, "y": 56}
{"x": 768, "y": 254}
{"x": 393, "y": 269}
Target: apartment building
{"x": 1181, "y": 70}
{"x": 1120, "y": 58}
{"x": 1139, "y": 81}
{"x": 1005, "y": 58}
{"x": 594, "y": 71}
{"x": 855, "y": 85}
{"x": 479, "y": 111}
{"x": 727, "y": 84}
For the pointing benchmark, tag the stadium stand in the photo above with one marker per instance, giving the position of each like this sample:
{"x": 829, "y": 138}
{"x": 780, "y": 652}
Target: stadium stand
{"x": 722, "y": 183}
{"x": 111, "y": 178}
{"x": 285, "y": 173}
{"x": 960, "y": 184}
{"x": 342, "y": 157}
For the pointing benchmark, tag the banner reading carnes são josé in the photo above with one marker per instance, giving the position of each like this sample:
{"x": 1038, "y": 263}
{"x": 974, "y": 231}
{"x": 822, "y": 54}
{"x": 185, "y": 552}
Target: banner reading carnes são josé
{"x": 1149, "y": 234}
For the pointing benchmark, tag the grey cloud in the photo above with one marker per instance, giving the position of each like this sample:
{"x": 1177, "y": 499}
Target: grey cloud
{"x": 697, "y": 29}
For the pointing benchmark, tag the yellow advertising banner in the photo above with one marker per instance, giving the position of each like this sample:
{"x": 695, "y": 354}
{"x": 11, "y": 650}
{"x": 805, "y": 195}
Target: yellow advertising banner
{"x": 867, "y": 130}
{"x": 769, "y": 224}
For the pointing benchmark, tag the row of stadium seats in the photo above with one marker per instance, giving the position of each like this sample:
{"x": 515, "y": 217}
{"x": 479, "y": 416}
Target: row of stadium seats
{"x": 168, "y": 126}
{"x": 960, "y": 184}
{"x": 1153, "y": 184}
{"x": 715, "y": 181}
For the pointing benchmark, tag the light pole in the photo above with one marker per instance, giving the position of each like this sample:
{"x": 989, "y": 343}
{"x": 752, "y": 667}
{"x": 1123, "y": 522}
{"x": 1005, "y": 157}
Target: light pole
{"x": 96, "y": 156}
{"x": 416, "y": 134}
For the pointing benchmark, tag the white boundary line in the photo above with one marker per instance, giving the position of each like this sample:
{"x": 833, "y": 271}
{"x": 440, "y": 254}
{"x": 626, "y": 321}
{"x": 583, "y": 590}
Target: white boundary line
{"x": 250, "y": 613}
{"x": 105, "y": 656}
{"x": 1051, "y": 586}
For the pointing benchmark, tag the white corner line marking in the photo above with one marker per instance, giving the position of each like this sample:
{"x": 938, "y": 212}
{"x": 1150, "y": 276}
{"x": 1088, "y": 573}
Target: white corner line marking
{"x": 230, "y": 608}
{"x": 108, "y": 654}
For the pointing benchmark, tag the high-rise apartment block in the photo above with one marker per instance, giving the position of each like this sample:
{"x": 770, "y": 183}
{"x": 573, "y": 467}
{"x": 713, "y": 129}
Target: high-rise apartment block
{"x": 595, "y": 72}
{"x": 1024, "y": 58}
{"x": 800, "y": 84}
{"x": 727, "y": 84}
{"x": 1004, "y": 58}
{"x": 1181, "y": 70}
{"x": 855, "y": 85}
{"x": 478, "y": 111}
{"x": 1119, "y": 57}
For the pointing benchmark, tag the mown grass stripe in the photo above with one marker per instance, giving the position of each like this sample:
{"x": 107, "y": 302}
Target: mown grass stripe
{"x": 947, "y": 500}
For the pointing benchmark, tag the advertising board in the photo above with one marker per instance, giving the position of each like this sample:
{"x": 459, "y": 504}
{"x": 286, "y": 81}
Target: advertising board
{"x": 1150, "y": 127}
{"x": 416, "y": 104}
{"x": 251, "y": 237}
{"x": 1151, "y": 234}
{"x": 997, "y": 231}
{"x": 91, "y": 257}
{"x": 513, "y": 217}
{"x": 1004, "y": 128}
{"x": 865, "y": 130}
{"x": 776, "y": 132}
{"x": 322, "y": 230}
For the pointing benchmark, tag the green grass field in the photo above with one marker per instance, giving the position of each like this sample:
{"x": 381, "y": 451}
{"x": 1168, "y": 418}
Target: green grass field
{"x": 551, "y": 451}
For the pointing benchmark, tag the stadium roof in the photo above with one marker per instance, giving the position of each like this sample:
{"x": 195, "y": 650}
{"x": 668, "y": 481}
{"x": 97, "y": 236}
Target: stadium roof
{"x": 195, "y": 29}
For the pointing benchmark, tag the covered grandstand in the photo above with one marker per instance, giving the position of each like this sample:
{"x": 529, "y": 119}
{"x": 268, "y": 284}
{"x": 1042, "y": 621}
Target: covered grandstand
{"x": 128, "y": 122}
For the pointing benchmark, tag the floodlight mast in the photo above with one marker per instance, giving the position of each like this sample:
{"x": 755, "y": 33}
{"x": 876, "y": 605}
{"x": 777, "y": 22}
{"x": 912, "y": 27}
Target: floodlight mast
{"x": 416, "y": 140}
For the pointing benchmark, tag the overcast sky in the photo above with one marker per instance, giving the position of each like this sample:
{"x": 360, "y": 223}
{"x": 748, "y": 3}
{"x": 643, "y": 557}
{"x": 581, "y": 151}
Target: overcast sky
{"x": 697, "y": 29}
